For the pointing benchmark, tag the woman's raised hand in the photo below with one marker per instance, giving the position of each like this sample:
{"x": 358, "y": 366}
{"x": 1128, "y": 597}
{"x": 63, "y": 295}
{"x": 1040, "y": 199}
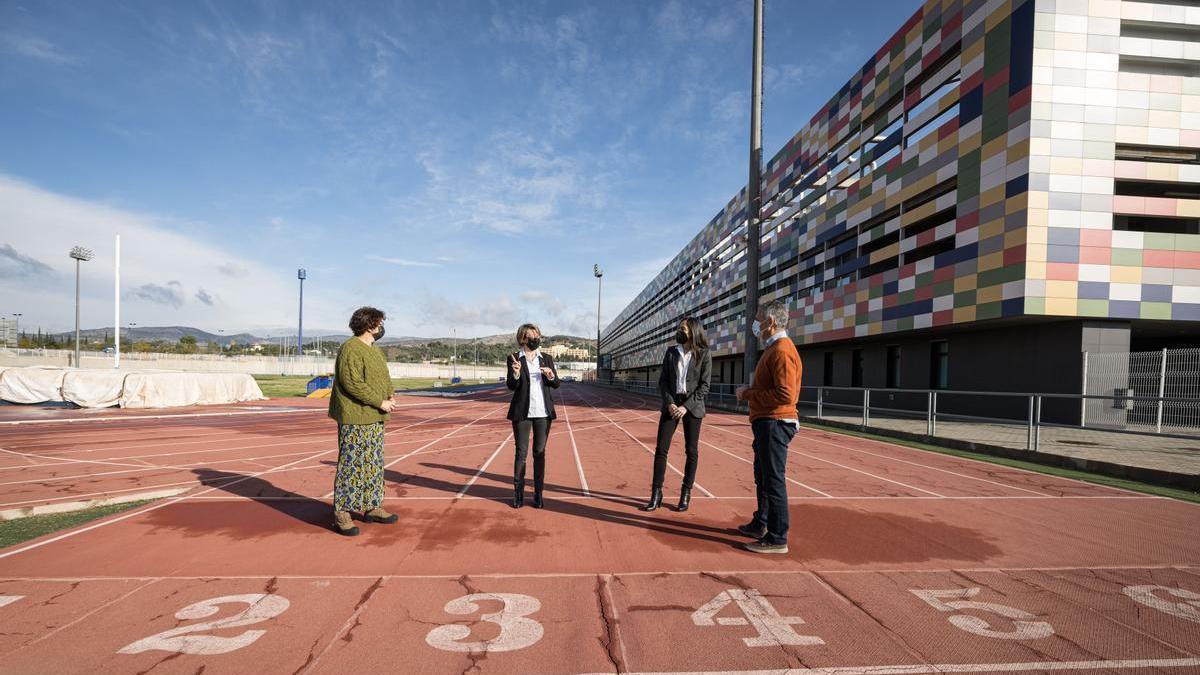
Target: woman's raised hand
{"x": 547, "y": 373}
{"x": 516, "y": 366}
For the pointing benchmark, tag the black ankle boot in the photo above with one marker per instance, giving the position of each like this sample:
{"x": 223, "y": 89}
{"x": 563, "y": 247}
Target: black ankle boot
{"x": 537, "y": 499}
{"x": 685, "y": 499}
{"x": 518, "y": 495}
{"x": 655, "y": 500}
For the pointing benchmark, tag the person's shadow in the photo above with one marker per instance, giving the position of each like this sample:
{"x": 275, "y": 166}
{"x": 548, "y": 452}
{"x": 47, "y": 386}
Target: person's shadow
{"x": 293, "y": 504}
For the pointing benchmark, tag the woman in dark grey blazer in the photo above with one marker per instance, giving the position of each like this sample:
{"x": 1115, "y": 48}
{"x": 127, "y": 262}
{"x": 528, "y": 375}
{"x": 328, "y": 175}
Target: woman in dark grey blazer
{"x": 683, "y": 386}
{"x": 531, "y": 377}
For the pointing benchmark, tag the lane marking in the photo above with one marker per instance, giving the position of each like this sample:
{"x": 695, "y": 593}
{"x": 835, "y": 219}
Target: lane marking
{"x": 346, "y": 626}
{"x": 921, "y": 669}
{"x": 78, "y": 505}
{"x": 848, "y": 468}
{"x": 696, "y": 485}
{"x": 485, "y": 465}
{"x": 575, "y": 449}
{"x": 825, "y": 495}
{"x": 87, "y": 615}
{"x": 176, "y": 500}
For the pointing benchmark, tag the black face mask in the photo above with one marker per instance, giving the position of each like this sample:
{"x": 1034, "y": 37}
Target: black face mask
{"x": 379, "y": 333}
{"x": 681, "y": 337}
{"x": 533, "y": 343}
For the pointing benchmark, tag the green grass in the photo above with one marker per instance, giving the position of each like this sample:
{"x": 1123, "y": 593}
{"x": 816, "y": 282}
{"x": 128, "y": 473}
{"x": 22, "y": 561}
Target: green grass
{"x": 24, "y": 529}
{"x": 1061, "y": 472}
{"x": 282, "y": 386}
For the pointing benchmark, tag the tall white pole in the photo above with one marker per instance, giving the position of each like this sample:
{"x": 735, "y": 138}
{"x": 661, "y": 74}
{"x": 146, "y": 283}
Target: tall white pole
{"x": 117, "y": 306}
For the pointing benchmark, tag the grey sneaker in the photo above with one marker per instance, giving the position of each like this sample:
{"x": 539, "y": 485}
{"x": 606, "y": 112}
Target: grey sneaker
{"x": 761, "y": 546}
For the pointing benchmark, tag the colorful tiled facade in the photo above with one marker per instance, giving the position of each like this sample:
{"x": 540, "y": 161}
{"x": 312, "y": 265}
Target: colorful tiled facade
{"x": 994, "y": 161}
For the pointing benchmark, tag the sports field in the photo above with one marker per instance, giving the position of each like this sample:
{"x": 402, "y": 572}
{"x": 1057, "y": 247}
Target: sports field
{"x": 902, "y": 561}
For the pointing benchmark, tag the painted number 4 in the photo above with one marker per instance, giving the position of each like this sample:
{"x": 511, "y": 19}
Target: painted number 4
{"x": 773, "y": 629}
{"x": 1026, "y": 625}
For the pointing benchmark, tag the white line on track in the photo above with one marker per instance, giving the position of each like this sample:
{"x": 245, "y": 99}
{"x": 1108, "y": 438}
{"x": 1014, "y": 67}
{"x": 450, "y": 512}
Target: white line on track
{"x": 574, "y": 448}
{"x": 825, "y": 495}
{"x": 647, "y": 448}
{"x": 848, "y": 468}
{"x": 485, "y": 466}
{"x": 175, "y": 500}
{"x": 922, "y": 669}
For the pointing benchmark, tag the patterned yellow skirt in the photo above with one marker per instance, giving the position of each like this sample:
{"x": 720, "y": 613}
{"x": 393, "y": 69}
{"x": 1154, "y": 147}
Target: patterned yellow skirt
{"x": 358, "y": 484}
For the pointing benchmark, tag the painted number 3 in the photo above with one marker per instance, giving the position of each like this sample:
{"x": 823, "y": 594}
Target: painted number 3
{"x": 1025, "y": 625}
{"x": 183, "y": 640}
{"x": 517, "y": 630}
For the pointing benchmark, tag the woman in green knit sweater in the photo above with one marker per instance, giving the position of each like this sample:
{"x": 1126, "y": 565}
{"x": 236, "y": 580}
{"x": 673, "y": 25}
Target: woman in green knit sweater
{"x": 360, "y": 403}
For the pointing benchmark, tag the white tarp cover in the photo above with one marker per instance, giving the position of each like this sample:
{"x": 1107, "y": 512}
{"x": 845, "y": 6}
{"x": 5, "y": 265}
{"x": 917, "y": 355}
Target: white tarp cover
{"x": 93, "y": 388}
{"x": 36, "y": 384}
{"x": 126, "y": 388}
{"x": 169, "y": 390}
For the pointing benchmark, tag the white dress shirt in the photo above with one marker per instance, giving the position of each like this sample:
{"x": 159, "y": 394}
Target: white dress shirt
{"x": 537, "y": 402}
{"x": 779, "y": 335}
{"x": 681, "y": 370}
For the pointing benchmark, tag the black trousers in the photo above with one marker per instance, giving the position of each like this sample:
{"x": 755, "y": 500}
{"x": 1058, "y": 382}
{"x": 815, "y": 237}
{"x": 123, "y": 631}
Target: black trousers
{"x": 691, "y": 447}
{"x": 771, "y": 439}
{"x": 540, "y": 428}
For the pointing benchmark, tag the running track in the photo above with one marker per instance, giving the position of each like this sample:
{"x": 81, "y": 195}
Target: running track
{"x": 902, "y": 561}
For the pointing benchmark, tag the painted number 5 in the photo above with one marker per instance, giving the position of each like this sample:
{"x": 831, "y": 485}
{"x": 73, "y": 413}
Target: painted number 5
{"x": 517, "y": 631}
{"x": 1156, "y": 597}
{"x": 259, "y": 607}
{"x": 1026, "y": 627}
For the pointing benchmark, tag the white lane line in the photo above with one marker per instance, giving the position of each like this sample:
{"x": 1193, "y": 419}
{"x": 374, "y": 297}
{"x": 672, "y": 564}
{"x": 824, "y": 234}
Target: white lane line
{"x": 52, "y": 500}
{"x": 922, "y": 669}
{"x": 86, "y": 615}
{"x": 848, "y": 468}
{"x": 602, "y": 499}
{"x": 162, "y": 504}
{"x": 78, "y": 505}
{"x": 647, "y": 448}
{"x": 826, "y": 495}
{"x": 485, "y": 466}
{"x": 926, "y": 466}
{"x": 575, "y": 448}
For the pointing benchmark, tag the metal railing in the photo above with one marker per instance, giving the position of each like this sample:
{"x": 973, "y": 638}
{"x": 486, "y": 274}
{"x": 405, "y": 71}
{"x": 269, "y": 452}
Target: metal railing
{"x": 1014, "y": 419}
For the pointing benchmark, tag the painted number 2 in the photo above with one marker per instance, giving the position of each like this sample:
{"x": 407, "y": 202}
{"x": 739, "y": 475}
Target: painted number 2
{"x": 1026, "y": 625}
{"x": 183, "y": 640}
{"x": 1156, "y": 597}
{"x": 517, "y": 630}
{"x": 773, "y": 629}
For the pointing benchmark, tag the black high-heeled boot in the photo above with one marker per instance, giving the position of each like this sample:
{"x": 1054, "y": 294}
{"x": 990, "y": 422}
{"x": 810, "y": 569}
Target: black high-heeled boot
{"x": 518, "y": 494}
{"x": 655, "y": 500}
{"x": 685, "y": 499}
{"x": 537, "y": 499}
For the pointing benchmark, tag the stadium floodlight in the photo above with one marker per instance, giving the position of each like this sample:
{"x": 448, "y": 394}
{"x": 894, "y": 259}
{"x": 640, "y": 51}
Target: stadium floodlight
{"x": 78, "y": 254}
{"x": 301, "y": 274}
{"x": 599, "y": 274}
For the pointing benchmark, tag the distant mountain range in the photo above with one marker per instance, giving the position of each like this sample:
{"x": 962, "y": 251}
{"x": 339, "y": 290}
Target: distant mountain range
{"x": 174, "y": 333}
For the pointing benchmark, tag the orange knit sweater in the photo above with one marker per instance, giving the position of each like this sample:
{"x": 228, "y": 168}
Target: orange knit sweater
{"x": 776, "y": 386}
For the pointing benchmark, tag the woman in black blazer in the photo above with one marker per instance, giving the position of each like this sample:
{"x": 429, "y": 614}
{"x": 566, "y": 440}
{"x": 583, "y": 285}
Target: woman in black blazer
{"x": 531, "y": 377}
{"x": 683, "y": 385}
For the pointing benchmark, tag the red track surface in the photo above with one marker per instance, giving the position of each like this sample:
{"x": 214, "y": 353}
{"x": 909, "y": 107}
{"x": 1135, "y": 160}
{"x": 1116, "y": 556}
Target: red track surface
{"x": 901, "y": 561}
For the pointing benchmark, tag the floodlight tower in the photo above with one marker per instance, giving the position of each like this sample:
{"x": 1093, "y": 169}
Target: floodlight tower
{"x": 301, "y": 274}
{"x": 78, "y": 254}
{"x": 599, "y": 274}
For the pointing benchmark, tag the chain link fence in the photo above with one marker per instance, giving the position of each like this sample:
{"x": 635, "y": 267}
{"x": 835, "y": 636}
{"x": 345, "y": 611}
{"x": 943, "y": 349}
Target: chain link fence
{"x": 1148, "y": 391}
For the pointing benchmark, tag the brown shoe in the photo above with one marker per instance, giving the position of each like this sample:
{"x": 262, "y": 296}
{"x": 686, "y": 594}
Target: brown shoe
{"x": 343, "y": 525}
{"x": 380, "y": 516}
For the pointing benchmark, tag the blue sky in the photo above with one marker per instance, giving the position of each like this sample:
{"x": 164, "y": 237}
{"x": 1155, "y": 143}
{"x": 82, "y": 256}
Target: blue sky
{"x": 458, "y": 164}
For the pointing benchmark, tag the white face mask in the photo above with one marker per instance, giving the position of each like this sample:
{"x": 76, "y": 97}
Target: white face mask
{"x": 757, "y": 328}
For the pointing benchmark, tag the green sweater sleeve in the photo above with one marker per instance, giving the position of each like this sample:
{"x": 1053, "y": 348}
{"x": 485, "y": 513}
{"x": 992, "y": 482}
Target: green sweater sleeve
{"x": 352, "y": 374}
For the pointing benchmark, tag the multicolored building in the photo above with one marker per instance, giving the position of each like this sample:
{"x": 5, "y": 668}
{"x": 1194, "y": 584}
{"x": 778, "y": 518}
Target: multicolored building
{"x": 1004, "y": 185}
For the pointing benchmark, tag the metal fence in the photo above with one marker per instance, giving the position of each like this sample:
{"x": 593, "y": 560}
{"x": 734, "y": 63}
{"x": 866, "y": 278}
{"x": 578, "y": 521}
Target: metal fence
{"x": 1010, "y": 419}
{"x": 1143, "y": 391}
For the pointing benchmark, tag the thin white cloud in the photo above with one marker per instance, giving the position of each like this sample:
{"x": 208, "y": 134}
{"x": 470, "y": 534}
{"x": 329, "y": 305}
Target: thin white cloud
{"x": 403, "y": 262}
{"x": 34, "y": 47}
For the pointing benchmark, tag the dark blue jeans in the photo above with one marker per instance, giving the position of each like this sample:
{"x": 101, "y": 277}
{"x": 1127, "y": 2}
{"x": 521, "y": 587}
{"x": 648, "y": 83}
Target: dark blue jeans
{"x": 771, "y": 439}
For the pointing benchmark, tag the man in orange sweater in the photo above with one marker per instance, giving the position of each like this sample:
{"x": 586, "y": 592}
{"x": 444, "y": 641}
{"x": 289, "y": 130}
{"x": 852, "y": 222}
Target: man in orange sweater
{"x": 772, "y": 398}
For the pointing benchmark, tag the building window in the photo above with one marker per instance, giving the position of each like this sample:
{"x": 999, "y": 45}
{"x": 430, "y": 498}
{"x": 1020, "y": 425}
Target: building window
{"x": 856, "y": 369}
{"x": 893, "y": 366}
{"x": 827, "y": 375}
{"x": 939, "y": 365}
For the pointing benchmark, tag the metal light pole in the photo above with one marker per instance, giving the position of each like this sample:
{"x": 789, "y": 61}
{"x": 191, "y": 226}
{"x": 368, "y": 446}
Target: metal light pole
{"x": 17, "y": 329}
{"x": 754, "y": 195}
{"x": 475, "y": 374}
{"x": 599, "y": 274}
{"x": 301, "y": 274}
{"x": 454, "y": 339}
{"x": 78, "y": 254}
